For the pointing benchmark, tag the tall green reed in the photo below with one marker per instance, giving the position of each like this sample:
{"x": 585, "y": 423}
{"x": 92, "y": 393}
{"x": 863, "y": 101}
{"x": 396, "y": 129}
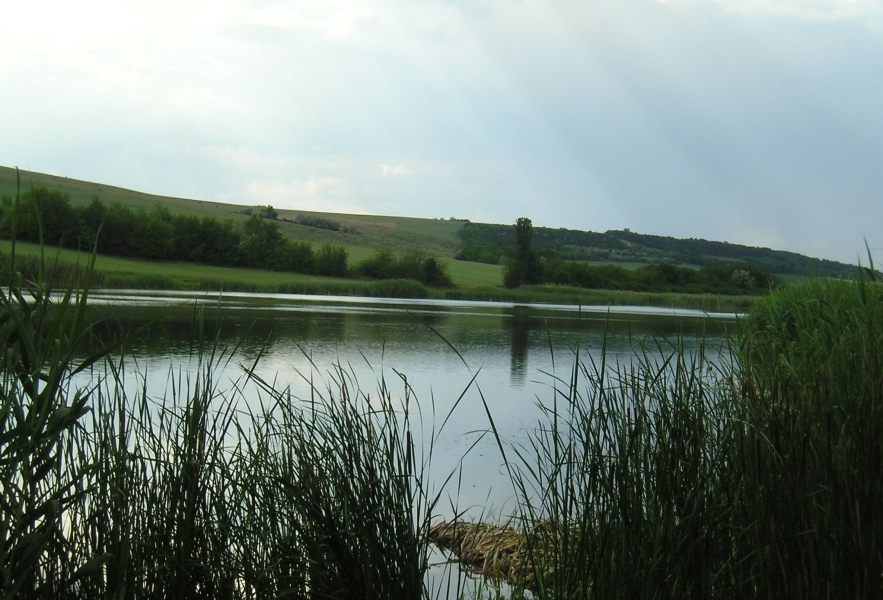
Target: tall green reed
{"x": 40, "y": 337}
{"x": 812, "y": 397}
{"x": 179, "y": 489}
{"x": 354, "y": 486}
{"x": 757, "y": 474}
{"x": 619, "y": 484}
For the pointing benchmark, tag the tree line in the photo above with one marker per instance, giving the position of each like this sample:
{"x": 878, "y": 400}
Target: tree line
{"x": 528, "y": 267}
{"x": 494, "y": 244}
{"x": 114, "y": 229}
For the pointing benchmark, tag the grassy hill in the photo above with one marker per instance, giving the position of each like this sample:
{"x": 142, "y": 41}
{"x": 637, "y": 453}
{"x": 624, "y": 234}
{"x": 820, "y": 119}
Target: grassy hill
{"x": 482, "y": 245}
{"x": 364, "y": 233}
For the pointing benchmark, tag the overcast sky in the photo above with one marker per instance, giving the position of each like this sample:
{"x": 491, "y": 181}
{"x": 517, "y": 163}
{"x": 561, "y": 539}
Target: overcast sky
{"x": 753, "y": 121}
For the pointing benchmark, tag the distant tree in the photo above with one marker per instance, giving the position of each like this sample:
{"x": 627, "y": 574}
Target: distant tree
{"x": 380, "y": 265}
{"x": 205, "y": 240}
{"x": 151, "y": 235}
{"x": 46, "y": 213}
{"x": 260, "y": 243}
{"x": 331, "y": 261}
{"x": 523, "y": 237}
{"x": 296, "y": 257}
{"x": 117, "y": 231}
{"x": 742, "y": 279}
{"x": 413, "y": 264}
{"x": 525, "y": 268}
{"x": 435, "y": 273}
{"x": 318, "y": 222}
{"x": 89, "y": 222}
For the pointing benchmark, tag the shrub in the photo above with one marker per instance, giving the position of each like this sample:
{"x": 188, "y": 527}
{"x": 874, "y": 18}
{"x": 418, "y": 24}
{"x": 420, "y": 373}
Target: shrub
{"x": 331, "y": 261}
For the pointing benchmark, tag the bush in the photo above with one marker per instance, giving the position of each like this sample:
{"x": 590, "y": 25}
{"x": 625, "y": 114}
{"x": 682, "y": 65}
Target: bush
{"x": 318, "y": 222}
{"x": 331, "y": 261}
{"x": 383, "y": 264}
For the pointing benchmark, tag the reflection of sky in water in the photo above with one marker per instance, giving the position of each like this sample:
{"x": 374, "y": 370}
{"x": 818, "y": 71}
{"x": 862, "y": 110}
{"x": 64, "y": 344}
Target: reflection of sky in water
{"x": 517, "y": 351}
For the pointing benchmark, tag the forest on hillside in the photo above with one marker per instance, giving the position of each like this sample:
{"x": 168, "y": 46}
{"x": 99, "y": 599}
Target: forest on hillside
{"x": 494, "y": 243}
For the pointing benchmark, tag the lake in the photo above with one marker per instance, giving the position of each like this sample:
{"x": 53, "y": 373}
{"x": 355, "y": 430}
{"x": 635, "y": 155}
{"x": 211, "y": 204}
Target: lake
{"x": 516, "y": 353}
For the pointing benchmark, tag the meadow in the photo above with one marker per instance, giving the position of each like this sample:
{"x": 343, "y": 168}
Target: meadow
{"x": 472, "y": 281}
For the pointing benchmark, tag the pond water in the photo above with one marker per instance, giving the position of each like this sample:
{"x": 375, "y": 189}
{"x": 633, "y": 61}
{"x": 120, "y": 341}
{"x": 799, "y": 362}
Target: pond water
{"x": 517, "y": 351}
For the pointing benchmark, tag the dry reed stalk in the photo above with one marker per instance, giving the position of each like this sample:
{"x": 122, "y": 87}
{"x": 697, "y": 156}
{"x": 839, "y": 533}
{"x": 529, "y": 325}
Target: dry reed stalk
{"x": 493, "y": 551}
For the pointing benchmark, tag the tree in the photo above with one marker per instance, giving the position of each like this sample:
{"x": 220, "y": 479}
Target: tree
{"x": 523, "y": 237}
{"x": 46, "y": 213}
{"x": 525, "y": 268}
{"x": 270, "y": 213}
{"x": 331, "y": 261}
{"x": 260, "y": 243}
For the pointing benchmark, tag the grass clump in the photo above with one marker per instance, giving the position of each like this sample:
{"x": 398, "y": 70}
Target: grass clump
{"x": 756, "y": 474}
{"x": 352, "y": 483}
{"x": 814, "y": 394}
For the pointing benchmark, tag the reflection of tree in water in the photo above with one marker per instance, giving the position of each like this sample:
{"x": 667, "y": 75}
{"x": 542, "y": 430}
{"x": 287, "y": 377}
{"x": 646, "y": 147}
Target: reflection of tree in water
{"x": 329, "y": 326}
{"x": 520, "y": 326}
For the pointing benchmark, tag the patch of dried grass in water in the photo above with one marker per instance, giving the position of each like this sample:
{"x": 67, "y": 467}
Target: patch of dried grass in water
{"x": 493, "y": 551}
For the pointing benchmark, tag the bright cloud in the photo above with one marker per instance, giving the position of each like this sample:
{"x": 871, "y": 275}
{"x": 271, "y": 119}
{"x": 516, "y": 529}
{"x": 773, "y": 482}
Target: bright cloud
{"x": 812, "y": 10}
{"x": 394, "y": 171}
{"x": 320, "y": 194}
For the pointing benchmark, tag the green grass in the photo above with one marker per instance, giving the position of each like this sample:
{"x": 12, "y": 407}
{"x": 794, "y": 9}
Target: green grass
{"x": 186, "y": 275}
{"x": 470, "y": 280}
{"x": 472, "y": 274}
{"x": 756, "y": 476}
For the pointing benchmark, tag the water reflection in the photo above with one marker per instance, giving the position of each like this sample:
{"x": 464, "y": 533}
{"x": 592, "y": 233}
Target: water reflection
{"x": 519, "y": 324}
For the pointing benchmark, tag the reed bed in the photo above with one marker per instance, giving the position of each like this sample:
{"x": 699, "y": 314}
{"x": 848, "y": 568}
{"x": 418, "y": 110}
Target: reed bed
{"x": 171, "y": 489}
{"x": 183, "y": 496}
{"x": 757, "y": 475}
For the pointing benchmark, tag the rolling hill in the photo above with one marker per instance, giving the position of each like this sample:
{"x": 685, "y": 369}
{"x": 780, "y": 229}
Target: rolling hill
{"x": 477, "y": 242}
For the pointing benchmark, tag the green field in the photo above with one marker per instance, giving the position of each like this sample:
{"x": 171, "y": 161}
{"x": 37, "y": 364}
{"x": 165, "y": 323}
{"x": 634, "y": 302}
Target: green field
{"x": 473, "y": 281}
{"x": 188, "y": 275}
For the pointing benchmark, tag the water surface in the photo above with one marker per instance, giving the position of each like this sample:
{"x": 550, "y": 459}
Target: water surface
{"x": 515, "y": 355}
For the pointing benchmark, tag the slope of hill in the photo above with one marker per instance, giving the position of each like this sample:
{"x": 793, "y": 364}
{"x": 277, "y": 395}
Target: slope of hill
{"x": 362, "y": 234}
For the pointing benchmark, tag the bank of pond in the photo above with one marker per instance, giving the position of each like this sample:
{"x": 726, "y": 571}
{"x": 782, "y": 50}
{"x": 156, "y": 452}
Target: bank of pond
{"x": 754, "y": 470}
{"x": 43, "y": 216}
{"x": 114, "y": 274}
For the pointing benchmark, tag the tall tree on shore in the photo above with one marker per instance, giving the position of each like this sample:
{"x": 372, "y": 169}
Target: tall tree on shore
{"x": 525, "y": 267}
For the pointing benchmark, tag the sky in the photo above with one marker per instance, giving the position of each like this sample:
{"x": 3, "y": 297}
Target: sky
{"x": 757, "y": 122}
